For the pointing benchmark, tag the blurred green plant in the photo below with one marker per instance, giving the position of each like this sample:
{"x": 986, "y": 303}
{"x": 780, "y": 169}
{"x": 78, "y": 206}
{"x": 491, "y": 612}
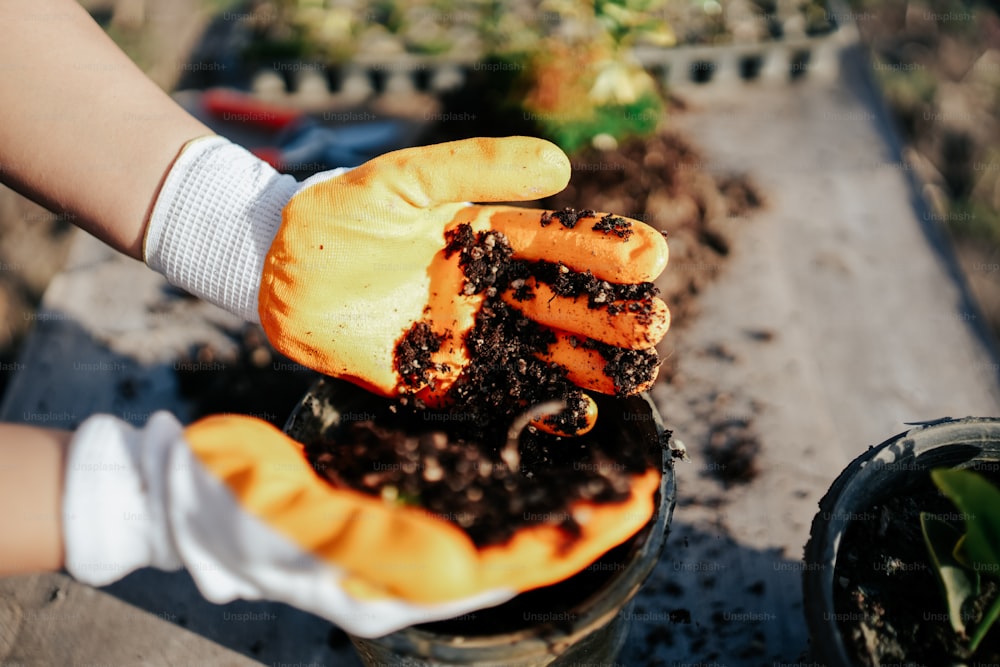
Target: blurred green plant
{"x": 905, "y": 85}
{"x": 973, "y": 220}
{"x": 581, "y": 80}
{"x": 299, "y": 29}
{"x": 573, "y": 70}
{"x": 915, "y": 45}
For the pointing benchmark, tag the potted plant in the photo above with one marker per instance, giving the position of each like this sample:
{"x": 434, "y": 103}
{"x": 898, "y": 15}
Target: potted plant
{"x": 963, "y": 556}
{"x": 584, "y": 617}
{"x": 882, "y": 551}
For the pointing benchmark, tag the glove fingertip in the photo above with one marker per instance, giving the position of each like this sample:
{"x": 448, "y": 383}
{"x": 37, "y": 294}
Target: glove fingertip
{"x": 549, "y": 169}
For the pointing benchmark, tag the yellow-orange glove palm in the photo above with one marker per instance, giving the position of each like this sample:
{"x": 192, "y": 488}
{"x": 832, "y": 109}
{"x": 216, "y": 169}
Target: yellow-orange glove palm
{"x": 359, "y": 258}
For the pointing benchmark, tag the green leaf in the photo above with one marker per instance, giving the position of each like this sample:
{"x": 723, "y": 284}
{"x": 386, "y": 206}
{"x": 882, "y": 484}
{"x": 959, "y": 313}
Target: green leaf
{"x": 959, "y": 553}
{"x": 979, "y": 501}
{"x": 957, "y": 583}
{"x": 984, "y": 625}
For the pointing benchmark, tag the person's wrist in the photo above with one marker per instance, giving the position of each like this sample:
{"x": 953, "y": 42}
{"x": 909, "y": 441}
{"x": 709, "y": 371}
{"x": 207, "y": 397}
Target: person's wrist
{"x": 213, "y": 222}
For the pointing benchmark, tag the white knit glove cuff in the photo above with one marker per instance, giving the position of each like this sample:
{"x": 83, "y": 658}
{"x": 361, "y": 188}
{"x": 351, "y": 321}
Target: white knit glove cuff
{"x": 114, "y": 498}
{"x": 213, "y": 223}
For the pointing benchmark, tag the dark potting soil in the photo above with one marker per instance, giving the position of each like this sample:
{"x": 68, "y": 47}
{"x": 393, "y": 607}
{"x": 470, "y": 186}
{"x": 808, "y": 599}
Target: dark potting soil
{"x": 888, "y": 602}
{"x": 479, "y": 480}
{"x": 501, "y": 335}
{"x": 435, "y": 460}
{"x": 458, "y": 462}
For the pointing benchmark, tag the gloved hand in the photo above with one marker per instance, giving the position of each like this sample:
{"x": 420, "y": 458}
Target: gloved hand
{"x": 355, "y": 259}
{"x": 235, "y": 501}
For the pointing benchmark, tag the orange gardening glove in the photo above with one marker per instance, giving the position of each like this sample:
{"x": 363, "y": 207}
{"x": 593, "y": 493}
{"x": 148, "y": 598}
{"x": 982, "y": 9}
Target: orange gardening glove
{"x": 341, "y": 267}
{"x": 235, "y": 501}
{"x": 360, "y": 258}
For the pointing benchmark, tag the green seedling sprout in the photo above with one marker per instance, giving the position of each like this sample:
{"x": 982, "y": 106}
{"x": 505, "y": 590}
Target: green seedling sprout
{"x": 959, "y": 558}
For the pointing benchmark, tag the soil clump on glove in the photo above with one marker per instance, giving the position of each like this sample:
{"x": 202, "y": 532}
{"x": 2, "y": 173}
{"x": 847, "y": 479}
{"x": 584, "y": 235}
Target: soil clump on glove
{"x": 459, "y": 463}
{"x": 504, "y": 372}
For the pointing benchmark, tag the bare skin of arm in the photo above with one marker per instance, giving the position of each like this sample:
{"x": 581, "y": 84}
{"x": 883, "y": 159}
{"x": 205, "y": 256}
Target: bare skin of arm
{"x": 83, "y": 132}
{"x": 32, "y": 461}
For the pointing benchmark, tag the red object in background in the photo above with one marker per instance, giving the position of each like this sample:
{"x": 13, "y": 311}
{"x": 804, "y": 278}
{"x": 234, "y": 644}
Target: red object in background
{"x": 291, "y": 140}
{"x": 272, "y": 156}
{"x": 233, "y": 106}
{"x": 236, "y": 107}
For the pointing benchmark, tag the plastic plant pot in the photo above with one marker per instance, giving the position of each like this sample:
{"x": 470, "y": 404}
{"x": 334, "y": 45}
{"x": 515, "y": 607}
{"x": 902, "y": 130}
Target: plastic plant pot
{"x": 884, "y": 471}
{"x": 589, "y": 620}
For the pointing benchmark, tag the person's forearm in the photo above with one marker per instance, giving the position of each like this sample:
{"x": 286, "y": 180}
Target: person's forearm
{"x": 32, "y": 461}
{"x": 82, "y": 130}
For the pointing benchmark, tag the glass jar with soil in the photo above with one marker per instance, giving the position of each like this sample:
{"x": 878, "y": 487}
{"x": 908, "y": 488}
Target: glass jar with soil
{"x": 872, "y": 596}
{"x": 583, "y": 618}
